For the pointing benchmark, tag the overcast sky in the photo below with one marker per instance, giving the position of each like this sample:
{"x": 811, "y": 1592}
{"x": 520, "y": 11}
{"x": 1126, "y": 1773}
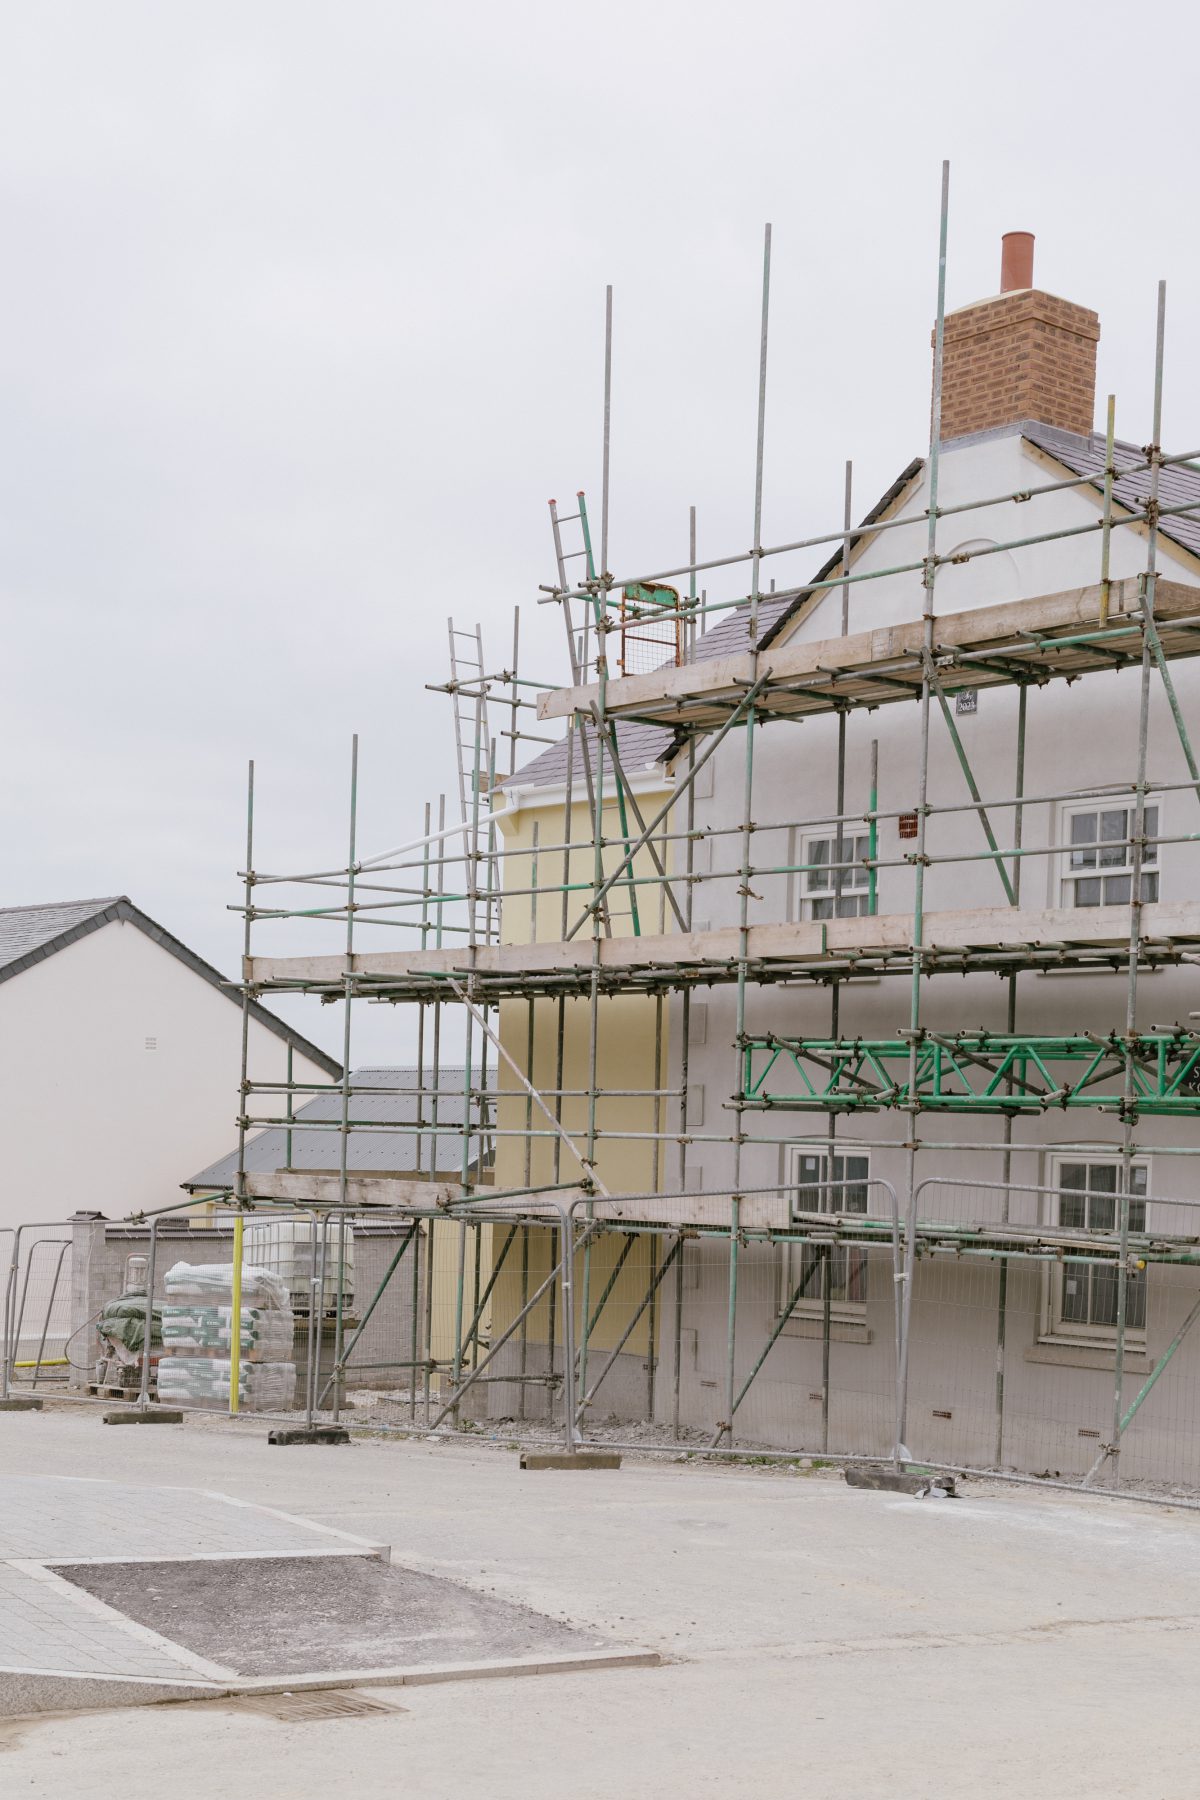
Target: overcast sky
{"x": 302, "y": 316}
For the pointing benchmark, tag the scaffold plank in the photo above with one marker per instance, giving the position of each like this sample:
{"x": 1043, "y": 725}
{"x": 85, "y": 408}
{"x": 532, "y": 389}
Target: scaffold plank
{"x": 1025, "y": 936}
{"x": 312, "y": 1186}
{"x": 396, "y": 1193}
{"x": 1036, "y": 639}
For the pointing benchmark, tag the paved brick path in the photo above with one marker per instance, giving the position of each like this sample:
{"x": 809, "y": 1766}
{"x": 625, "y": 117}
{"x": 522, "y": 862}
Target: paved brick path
{"x": 44, "y": 1629}
{"x": 49, "y": 1626}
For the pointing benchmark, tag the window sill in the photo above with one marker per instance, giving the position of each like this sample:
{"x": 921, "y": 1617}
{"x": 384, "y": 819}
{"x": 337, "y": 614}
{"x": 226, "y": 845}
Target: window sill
{"x": 841, "y": 1331}
{"x": 1067, "y": 1354}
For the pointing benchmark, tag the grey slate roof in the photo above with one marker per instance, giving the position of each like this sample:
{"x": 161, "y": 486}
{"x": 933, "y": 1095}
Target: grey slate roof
{"x": 638, "y": 746}
{"x": 29, "y": 934}
{"x": 1178, "y": 485}
{"x": 392, "y": 1151}
{"x": 731, "y": 633}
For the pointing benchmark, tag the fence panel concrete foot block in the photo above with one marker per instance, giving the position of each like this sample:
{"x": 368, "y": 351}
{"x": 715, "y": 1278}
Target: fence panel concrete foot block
{"x": 572, "y": 1459}
{"x": 900, "y": 1481}
{"x": 159, "y": 1416}
{"x": 318, "y": 1434}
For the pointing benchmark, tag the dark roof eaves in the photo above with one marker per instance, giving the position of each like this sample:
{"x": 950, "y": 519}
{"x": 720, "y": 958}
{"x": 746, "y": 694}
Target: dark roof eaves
{"x": 869, "y": 518}
{"x": 122, "y": 909}
{"x": 673, "y": 739}
{"x": 885, "y": 500}
{"x": 1060, "y": 453}
{"x": 277, "y": 1026}
{"x": 105, "y": 914}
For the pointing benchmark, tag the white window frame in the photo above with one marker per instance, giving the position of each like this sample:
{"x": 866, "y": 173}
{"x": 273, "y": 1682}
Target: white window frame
{"x": 853, "y": 1257}
{"x": 1070, "y": 877}
{"x": 1055, "y": 1328}
{"x": 856, "y": 882}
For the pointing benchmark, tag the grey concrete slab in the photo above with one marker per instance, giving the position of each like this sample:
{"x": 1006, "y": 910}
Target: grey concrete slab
{"x": 570, "y": 1459}
{"x": 291, "y": 1615}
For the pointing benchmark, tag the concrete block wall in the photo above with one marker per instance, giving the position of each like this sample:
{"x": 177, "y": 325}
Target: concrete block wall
{"x": 101, "y": 1251}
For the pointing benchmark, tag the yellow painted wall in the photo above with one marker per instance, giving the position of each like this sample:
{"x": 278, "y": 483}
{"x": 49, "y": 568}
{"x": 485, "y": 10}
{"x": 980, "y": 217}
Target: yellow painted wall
{"x": 479, "y": 1244}
{"x": 631, "y": 1052}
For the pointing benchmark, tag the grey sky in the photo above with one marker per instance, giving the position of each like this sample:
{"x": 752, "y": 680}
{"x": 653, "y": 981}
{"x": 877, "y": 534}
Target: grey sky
{"x": 302, "y": 316}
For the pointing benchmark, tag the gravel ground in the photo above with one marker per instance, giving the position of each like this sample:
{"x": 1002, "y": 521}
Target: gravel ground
{"x": 387, "y": 1411}
{"x": 289, "y": 1615}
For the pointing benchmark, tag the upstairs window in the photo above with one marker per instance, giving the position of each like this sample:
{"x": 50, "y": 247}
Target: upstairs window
{"x": 821, "y": 877}
{"x": 1099, "y": 863}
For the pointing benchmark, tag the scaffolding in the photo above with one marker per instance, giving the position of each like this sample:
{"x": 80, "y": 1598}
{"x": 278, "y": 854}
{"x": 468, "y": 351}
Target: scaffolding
{"x": 519, "y": 952}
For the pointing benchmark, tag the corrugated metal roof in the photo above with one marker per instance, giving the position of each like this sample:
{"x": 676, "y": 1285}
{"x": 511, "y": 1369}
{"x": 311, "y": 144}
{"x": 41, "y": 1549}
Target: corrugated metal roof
{"x": 1178, "y": 484}
{"x": 29, "y": 934}
{"x": 392, "y": 1151}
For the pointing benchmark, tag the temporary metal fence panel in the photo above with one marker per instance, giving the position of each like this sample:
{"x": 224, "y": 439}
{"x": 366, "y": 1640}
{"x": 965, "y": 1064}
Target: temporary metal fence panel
{"x": 468, "y": 1323}
{"x": 1026, "y": 1356}
{"x": 37, "y": 1304}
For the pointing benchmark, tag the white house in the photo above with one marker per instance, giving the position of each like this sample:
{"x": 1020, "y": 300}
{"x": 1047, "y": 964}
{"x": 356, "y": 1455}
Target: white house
{"x": 1011, "y": 1357}
{"x": 1018, "y": 414}
{"x": 120, "y": 1052}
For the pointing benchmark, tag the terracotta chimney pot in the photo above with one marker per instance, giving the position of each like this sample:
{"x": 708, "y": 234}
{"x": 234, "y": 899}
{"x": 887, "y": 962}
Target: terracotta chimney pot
{"x": 1016, "y": 261}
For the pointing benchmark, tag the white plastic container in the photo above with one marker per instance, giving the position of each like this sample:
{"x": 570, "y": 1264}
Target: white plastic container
{"x": 287, "y": 1247}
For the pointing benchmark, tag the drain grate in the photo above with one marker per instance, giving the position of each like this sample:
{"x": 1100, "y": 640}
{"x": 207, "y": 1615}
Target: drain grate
{"x": 327, "y": 1703}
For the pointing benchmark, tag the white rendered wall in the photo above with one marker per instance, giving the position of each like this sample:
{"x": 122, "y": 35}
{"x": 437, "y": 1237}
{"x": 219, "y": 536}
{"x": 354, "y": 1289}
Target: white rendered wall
{"x": 983, "y": 470}
{"x": 89, "y": 1118}
{"x": 1079, "y": 735}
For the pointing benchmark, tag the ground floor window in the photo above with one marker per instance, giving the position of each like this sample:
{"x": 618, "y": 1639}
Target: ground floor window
{"x": 1083, "y": 1295}
{"x": 818, "y": 1185}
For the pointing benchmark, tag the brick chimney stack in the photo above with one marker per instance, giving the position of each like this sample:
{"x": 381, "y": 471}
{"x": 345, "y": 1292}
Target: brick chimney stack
{"x": 1024, "y": 355}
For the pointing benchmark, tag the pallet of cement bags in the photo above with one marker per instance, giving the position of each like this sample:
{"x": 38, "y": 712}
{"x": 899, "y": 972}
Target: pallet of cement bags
{"x": 205, "y": 1381}
{"x": 211, "y": 1284}
{"x": 266, "y": 1335}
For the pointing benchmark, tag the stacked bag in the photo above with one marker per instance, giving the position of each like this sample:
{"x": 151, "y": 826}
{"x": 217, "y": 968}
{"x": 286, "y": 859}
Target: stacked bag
{"x": 197, "y": 1331}
{"x": 205, "y": 1381}
{"x": 265, "y": 1336}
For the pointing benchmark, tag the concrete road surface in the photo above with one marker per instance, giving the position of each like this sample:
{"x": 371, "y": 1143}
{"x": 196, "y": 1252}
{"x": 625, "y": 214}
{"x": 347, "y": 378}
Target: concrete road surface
{"x": 817, "y": 1641}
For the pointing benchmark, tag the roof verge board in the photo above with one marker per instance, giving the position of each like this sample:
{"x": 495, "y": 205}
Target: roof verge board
{"x": 30, "y": 934}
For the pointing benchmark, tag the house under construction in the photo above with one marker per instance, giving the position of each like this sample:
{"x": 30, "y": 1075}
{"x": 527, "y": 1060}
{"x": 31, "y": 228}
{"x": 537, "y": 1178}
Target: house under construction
{"x": 825, "y": 985}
